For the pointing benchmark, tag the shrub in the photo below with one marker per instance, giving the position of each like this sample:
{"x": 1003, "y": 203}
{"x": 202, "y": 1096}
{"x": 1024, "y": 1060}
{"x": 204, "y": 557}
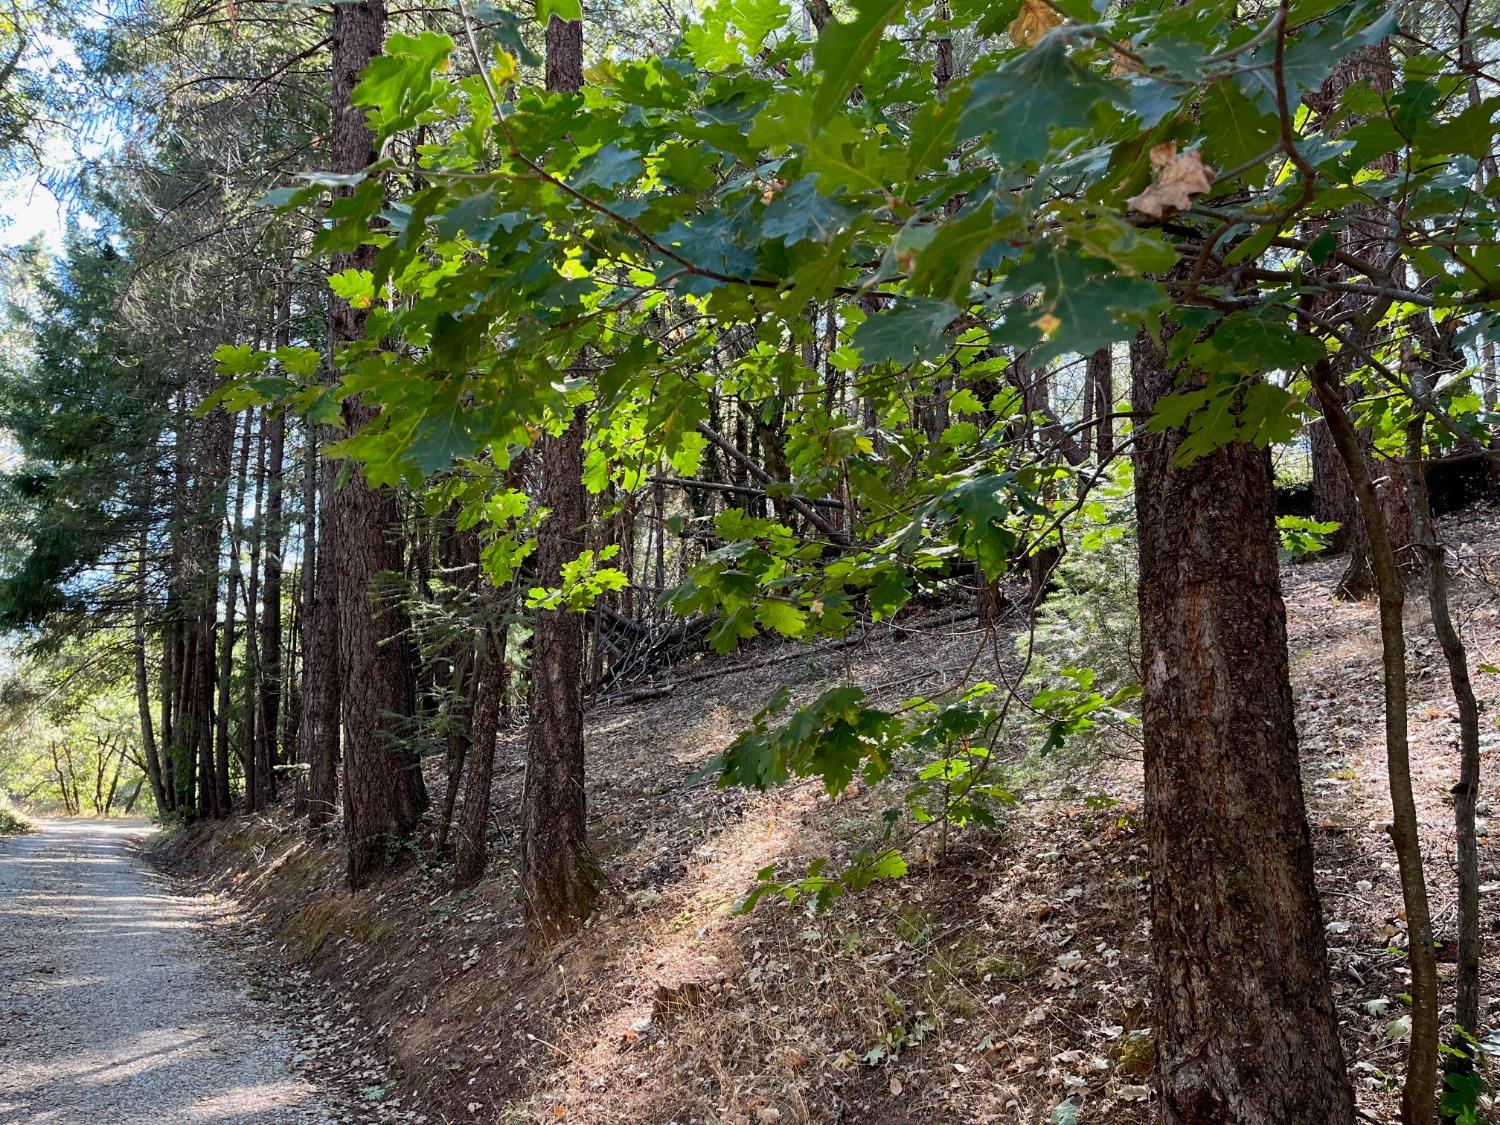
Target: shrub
{"x": 12, "y": 823}
{"x": 1085, "y": 659}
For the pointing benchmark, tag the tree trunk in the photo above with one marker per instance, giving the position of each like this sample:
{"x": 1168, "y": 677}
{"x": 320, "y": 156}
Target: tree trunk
{"x": 1333, "y": 494}
{"x": 203, "y": 720}
{"x": 314, "y": 517}
{"x": 1247, "y": 1030}
{"x": 383, "y": 791}
{"x": 1101, "y": 383}
{"x": 459, "y": 556}
{"x": 270, "y": 615}
{"x": 212, "y": 515}
{"x": 231, "y": 601}
{"x": 558, "y": 875}
{"x": 321, "y": 662}
{"x": 1419, "y": 1096}
{"x": 1466, "y": 791}
{"x": 257, "y": 769}
{"x": 489, "y": 687}
{"x": 143, "y": 683}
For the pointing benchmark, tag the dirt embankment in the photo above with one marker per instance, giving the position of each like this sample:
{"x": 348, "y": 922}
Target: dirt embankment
{"x": 1004, "y": 976}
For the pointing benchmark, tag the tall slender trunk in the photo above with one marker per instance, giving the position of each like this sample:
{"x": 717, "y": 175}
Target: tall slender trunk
{"x": 383, "y": 791}
{"x": 1247, "y": 1030}
{"x": 321, "y": 663}
{"x": 142, "y": 680}
{"x": 270, "y": 617}
{"x": 212, "y": 518}
{"x": 205, "y": 629}
{"x": 1101, "y": 386}
{"x": 231, "y": 600}
{"x": 489, "y": 677}
{"x": 1419, "y": 1097}
{"x": 558, "y": 875}
{"x": 174, "y": 635}
{"x": 459, "y": 555}
{"x": 317, "y": 776}
{"x": 1466, "y": 791}
{"x": 1333, "y": 493}
{"x": 258, "y": 783}
{"x": 171, "y": 734}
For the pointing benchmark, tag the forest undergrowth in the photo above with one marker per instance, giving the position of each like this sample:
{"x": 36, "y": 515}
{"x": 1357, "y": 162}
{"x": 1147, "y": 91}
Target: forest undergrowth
{"x": 1003, "y": 979}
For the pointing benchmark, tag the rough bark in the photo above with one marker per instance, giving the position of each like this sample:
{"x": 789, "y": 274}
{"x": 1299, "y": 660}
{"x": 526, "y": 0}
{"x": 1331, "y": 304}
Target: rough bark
{"x": 258, "y": 783}
{"x": 473, "y": 823}
{"x": 143, "y": 684}
{"x": 269, "y": 696}
{"x": 558, "y": 875}
{"x": 383, "y": 791}
{"x": 321, "y": 662}
{"x": 1101, "y": 382}
{"x": 231, "y": 600}
{"x": 1246, "y": 1027}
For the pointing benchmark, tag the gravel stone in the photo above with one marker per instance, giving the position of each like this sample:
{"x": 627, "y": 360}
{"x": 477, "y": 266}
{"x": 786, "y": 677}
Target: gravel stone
{"x": 113, "y": 1008}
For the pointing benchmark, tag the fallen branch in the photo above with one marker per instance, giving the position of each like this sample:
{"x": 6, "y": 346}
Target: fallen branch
{"x": 659, "y": 691}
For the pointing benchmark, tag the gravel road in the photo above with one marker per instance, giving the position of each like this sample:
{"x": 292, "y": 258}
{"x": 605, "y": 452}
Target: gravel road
{"x": 112, "y": 1006}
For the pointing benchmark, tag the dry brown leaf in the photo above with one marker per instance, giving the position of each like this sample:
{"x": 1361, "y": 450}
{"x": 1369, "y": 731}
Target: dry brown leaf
{"x": 1174, "y": 181}
{"x": 1124, "y": 65}
{"x": 1036, "y": 19}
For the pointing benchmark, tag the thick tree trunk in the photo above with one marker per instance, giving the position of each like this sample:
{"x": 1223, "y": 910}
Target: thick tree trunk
{"x": 1247, "y": 1031}
{"x": 383, "y": 791}
{"x": 558, "y": 875}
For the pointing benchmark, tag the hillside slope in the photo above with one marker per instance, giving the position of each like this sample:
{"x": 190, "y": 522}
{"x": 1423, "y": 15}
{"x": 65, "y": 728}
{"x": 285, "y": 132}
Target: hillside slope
{"x": 1005, "y": 976}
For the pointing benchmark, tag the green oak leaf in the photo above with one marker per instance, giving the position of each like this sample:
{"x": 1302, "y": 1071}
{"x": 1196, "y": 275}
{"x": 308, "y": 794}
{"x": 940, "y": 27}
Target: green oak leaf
{"x": 801, "y": 214}
{"x": 1016, "y": 107}
{"x": 845, "y": 48}
{"x": 912, "y": 330}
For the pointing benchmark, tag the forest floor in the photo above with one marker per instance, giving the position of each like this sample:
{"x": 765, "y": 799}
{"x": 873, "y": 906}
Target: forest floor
{"x": 112, "y": 1008}
{"x": 1003, "y": 980}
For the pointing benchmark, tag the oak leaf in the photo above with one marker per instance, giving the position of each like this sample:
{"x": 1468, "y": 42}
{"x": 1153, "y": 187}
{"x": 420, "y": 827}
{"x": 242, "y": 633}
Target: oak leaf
{"x": 1037, "y": 17}
{"x": 1174, "y": 181}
